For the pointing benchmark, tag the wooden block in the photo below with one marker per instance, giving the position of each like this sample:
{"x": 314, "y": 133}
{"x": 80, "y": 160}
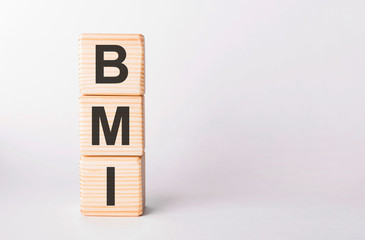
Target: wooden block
{"x": 104, "y": 56}
{"x": 112, "y": 125}
{"x": 112, "y": 186}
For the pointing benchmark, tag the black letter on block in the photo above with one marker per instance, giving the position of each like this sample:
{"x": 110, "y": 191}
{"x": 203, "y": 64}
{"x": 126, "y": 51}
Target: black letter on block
{"x": 101, "y": 63}
{"x": 122, "y": 114}
{"x": 110, "y": 186}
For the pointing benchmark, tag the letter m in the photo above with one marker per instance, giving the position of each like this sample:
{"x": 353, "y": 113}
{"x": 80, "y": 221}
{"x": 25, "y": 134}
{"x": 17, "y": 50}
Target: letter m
{"x": 99, "y": 116}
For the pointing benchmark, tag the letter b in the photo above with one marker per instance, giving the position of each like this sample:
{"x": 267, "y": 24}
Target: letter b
{"x": 101, "y": 63}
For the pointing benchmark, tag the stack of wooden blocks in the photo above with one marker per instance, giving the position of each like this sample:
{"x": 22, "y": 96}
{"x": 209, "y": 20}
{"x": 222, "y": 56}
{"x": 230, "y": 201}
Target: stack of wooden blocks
{"x": 111, "y": 74}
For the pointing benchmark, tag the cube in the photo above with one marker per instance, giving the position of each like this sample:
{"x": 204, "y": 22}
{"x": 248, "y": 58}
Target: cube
{"x": 111, "y": 186}
{"x": 112, "y": 125}
{"x": 111, "y": 64}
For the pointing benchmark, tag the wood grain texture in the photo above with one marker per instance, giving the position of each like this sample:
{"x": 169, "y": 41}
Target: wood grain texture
{"x": 110, "y": 104}
{"x": 134, "y": 46}
{"x": 129, "y": 184}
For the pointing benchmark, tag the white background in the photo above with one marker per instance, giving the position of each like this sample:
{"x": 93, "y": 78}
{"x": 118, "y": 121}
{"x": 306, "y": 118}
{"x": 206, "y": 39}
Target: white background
{"x": 255, "y": 119}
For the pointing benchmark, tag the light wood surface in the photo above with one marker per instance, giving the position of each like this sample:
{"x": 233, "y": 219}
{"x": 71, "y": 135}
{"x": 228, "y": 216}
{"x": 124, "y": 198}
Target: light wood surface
{"x": 110, "y": 104}
{"x": 129, "y": 184}
{"x": 134, "y": 47}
